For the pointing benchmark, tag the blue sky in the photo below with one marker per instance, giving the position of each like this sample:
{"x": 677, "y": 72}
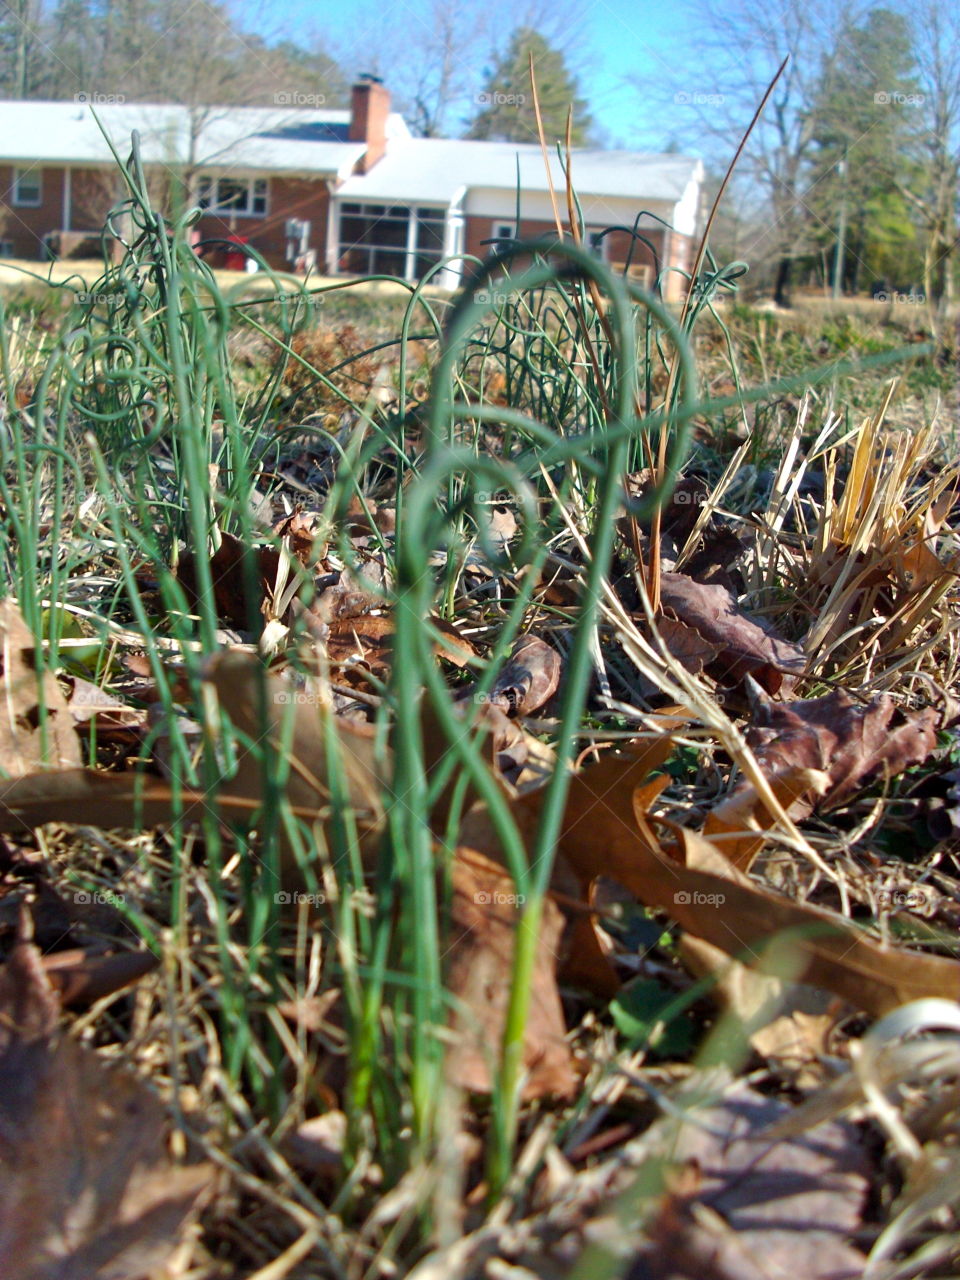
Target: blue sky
{"x": 617, "y": 41}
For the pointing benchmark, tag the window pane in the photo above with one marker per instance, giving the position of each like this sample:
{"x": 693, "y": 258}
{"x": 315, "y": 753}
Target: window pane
{"x": 233, "y": 195}
{"x": 391, "y": 232}
{"x": 430, "y": 236}
{"x": 354, "y": 261}
{"x": 26, "y": 186}
{"x": 374, "y": 229}
{"x": 387, "y": 263}
{"x": 423, "y": 263}
{"x": 351, "y": 229}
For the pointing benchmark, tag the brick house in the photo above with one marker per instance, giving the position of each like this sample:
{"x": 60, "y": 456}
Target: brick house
{"x": 347, "y": 190}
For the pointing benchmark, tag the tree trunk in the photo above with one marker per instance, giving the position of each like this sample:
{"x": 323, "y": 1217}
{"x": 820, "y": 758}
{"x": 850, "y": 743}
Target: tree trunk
{"x": 781, "y": 289}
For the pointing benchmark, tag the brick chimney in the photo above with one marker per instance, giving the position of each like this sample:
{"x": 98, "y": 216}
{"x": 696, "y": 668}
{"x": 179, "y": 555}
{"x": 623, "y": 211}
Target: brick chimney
{"x": 369, "y": 108}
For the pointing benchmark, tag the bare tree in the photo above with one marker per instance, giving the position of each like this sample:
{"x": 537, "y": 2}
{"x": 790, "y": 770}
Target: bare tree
{"x": 738, "y": 49}
{"x": 21, "y": 48}
{"x": 936, "y": 48}
{"x": 449, "y": 46}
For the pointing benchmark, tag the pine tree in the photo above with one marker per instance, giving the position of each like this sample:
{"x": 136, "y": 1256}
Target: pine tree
{"x": 506, "y": 105}
{"x": 865, "y": 115}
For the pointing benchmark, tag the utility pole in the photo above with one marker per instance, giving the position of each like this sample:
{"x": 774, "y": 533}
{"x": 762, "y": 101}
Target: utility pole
{"x": 841, "y": 229}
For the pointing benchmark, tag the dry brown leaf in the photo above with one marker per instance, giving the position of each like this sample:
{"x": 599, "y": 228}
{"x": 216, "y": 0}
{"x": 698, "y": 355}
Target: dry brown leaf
{"x": 80, "y": 979}
{"x": 236, "y": 676}
{"x": 130, "y": 800}
{"x": 852, "y": 743}
{"x": 500, "y": 525}
{"x": 366, "y": 639}
{"x": 585, "y": 962}
{"x": 299, "y": 535}
{"x": 484, "y": 917}
{"x": 777, "y": 1210}
{"x": 94, "y": 798}
{"x": 782, "y": 1020}
{"x": 745, "y": 646}
{"x": 527, "y": 680}
{"x": 738, "y": 824}
{"x": 602, "y": 836}
{"x": 86, "y": 1186}
{"x": 229, "y": 580}
{"x": 317, "y": 1145}
{"x": 687, "y": 645}
{"x": 96, "y": 711}
{"x": 30, "y": 738}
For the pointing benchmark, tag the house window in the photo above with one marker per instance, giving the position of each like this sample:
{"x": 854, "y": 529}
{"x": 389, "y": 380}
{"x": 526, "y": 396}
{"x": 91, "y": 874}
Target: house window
{"x": 244, "y": 196}
{"x": 26, "y": 188}
{"x": 6, "y": 248}
{"x": 503, "y": 231}
{"x": 393, "y": 240}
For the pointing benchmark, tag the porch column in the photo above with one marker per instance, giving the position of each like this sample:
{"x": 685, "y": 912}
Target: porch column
{"x": 453, "y": 232}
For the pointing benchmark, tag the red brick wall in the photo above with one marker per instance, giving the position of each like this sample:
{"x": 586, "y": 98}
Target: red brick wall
{"x": 93, "y": 192}
{"x": 27, "y": 227}
{"x": 369, "y": 109}
{"x": 617, "y": 243}
{"x": 307, "y": 199}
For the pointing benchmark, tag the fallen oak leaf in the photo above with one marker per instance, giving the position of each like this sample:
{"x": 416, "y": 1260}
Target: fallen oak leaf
{"x": 86, "y": 1187}
{"x": 527, "y": 680}
{"x": 600, "y": 835}
{"x": 132, "y": 801}
{"x": 685, "y": 643}
{"x": 772, "y": 1210}
{"x": 745, "y": 646}
{"x": 80, "y": 979}
{"x": 745, "y": 920}
{"x": 30, "y": 736}
{"x": 852, "y": 743}
{"x": 229, "y": 578}
{"x": 738, "y": 825}
{"x": 367, "y": 639}
{"x": 483, "y": 923}
{"x": 362, "y": 639}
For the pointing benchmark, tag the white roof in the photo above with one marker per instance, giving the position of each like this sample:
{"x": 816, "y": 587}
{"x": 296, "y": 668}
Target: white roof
{"x": 291, "y": 139}
{"x": 436, "y": 171}
{"x": 277, "y": 139}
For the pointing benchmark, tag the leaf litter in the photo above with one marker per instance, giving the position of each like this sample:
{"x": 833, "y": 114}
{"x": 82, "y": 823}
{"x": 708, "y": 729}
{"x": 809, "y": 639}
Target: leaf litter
{"x": 728, "y": 1202}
